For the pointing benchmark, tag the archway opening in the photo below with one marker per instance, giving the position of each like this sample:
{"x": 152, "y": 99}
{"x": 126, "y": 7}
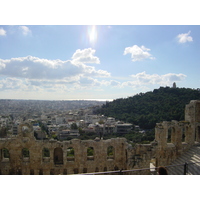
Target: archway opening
{"x": 5, "y": 154}
{"x": 169, "y": 136}
{"x": 46, "y": 153}
{"x": 70, "y": 154}
{"x": 58, "y": 156}
{"x": 90, "y": 153}
{"x": 183, "y": 134}
{"x": 25, "y": 155}
{"x": 110, "y": 152}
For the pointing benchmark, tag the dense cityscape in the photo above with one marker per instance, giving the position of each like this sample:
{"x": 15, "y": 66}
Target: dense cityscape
{"x": 61, "y": 120}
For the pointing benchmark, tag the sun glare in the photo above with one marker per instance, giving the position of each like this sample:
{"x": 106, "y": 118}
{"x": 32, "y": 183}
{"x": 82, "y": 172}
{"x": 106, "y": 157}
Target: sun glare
{"x": 92, "y": 34}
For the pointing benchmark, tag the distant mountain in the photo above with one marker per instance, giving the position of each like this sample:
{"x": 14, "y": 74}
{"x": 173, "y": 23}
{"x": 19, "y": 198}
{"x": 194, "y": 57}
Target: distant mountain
{"x": 147, "y": 109}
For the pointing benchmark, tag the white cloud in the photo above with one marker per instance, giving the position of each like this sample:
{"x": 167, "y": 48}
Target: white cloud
{"x": 12, "y": 83}
{"x": 25, "y": 30}
{"x": 36, "y": 68}
{"x": 2, "y": 32}
{"x": 85, "y": 56}
{"x": 142, "y": 79}
{"x": 33, "y": 73}
{"x": 91, "y": 82}
{"x": 184, "y": 37}
{"x": 138, "y": 53}
{"x": 2, "y": 65}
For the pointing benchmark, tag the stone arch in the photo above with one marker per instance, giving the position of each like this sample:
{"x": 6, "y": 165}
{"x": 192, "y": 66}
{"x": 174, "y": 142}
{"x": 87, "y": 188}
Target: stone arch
{"x": 5, "y": 154}
{"x": 189, "y": 137}
{"x": 45, "y": 152}
{"x": 58, "y": 156}
{"x": 110, "y": 152}
{"x": 25, "y": 154}
{"x": 70, "y": 154}
{"x": 90, "y": 153}
{"x": 170, "y": 134}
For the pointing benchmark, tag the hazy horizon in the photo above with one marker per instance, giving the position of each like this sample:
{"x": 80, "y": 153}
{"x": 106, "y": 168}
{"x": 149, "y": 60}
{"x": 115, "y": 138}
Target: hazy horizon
{"x": 62, "y": 99}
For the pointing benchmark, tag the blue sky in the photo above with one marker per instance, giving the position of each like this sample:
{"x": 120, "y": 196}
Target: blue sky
{"x": 96, "y": 62}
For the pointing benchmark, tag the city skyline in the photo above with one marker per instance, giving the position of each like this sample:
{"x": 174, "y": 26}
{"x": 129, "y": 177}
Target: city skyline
{"x": 95, "y": 62}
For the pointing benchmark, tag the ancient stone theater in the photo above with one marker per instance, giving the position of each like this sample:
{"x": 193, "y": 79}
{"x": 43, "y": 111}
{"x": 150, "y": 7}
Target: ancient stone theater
{"x": 22, "y": 154}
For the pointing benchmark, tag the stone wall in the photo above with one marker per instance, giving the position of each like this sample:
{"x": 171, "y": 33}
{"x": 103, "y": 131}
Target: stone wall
{"x": 174, "y": 138}
{"x": 23, "y": 154}
{"x": 58, "y": 162}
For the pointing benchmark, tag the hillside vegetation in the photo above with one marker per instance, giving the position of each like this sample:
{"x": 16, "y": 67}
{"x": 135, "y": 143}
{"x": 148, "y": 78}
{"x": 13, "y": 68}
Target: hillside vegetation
{"x": 147, "y": 109}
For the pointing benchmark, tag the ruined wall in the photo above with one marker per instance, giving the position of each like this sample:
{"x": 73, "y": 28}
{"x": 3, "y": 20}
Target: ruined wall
{"x": 140, "y": 156}
{"x": 171, "y": 137}
{"x": 23, "y": 154}
{"x": 192, "y": 114}
{"x": 58, "y": 162}
{"x": 174, "y": 138}
{"x": 56, "y": 159}
{"x": 192, "y": 111}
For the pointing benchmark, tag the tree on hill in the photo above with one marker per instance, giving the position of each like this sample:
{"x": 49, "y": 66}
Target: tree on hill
{"x": 147, "y": 109}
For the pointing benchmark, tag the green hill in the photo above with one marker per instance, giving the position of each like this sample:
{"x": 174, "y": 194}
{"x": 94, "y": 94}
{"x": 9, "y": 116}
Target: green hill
{"x": 147, "y": 109}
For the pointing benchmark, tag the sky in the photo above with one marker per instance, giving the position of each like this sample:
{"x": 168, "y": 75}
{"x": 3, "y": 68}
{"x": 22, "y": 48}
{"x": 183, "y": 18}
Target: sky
{"x": 105, "y": 62}
{"x": 61, "y": 62}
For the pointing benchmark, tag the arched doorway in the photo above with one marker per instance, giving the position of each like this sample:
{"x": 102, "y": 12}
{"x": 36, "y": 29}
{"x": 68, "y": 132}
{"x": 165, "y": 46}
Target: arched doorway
{"x": 110, "y": 152}
{"x": 58, "y": 156}
{"x": 90, "y": 153}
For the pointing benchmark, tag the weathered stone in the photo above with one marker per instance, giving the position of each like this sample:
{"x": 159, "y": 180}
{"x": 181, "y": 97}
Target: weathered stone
{"x": 171, "y": 140}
